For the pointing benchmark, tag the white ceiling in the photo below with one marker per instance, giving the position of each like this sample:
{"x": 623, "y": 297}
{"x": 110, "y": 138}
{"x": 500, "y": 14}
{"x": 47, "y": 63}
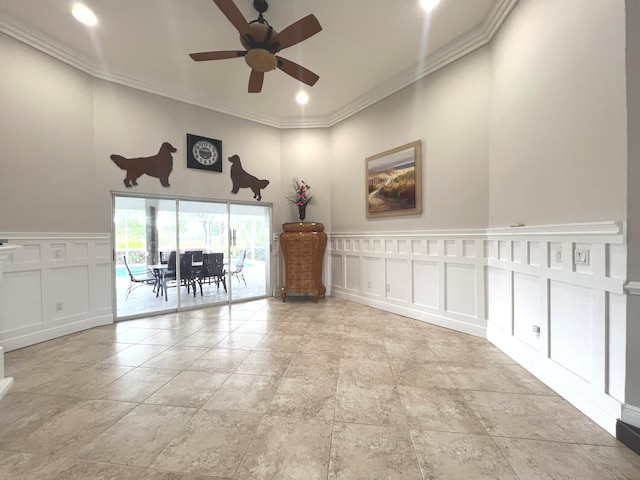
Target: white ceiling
{"x": 367, "y": 49}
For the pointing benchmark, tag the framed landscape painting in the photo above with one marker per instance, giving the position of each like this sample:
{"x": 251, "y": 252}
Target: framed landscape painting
{"x": 394, "y": 182}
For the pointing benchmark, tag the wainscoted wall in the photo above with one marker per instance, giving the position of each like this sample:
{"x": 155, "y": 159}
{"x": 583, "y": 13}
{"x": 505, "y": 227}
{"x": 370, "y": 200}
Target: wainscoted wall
{"x": 551, "y": 297}
{"x": 54, "y": 285}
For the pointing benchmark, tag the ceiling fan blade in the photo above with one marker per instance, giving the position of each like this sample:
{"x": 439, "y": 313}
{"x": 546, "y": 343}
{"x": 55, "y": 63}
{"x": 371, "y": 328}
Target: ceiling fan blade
{"x": 233, "y": 14}
{"x": 202, "y": 56}
{"x": 297, "y": 71}
{"x": 255, "y": 81}
{"x": 296, "y": 33}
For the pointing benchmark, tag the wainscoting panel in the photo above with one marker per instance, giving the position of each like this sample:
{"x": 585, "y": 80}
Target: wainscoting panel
{"x": 56, "y": 284}
{"x": 552, "y": 297}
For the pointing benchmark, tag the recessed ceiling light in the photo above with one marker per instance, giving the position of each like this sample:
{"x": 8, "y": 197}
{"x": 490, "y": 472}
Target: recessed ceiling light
{"x": 84, "y": 14}
{"x": 428, "y": 5}
{"x": 302, "y": 98}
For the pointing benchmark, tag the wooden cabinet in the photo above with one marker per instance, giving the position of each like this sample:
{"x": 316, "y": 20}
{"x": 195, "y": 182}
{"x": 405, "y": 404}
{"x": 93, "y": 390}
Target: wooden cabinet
{"x": 303, "y": 246}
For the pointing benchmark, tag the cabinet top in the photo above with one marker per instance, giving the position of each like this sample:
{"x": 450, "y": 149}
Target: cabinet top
{"x": 303, "y": 227}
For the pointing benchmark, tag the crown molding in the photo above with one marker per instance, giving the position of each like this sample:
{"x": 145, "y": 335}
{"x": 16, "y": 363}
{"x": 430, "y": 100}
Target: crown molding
{"x": 448, "y": 54}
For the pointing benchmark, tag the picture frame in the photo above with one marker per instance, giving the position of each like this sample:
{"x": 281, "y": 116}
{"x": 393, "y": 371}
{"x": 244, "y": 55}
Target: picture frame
{"x": 393, "y": 182}
{"x": 204, "y": 153}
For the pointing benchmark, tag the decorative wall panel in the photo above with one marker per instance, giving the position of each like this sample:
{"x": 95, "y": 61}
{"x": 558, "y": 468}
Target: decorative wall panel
{"x": 54, "y": 285}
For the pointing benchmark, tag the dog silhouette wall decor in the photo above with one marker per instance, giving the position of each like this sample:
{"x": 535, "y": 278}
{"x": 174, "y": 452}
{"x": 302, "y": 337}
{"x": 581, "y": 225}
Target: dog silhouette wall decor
{"x": 159, "y": 166}
{"x": 242, "y": 179}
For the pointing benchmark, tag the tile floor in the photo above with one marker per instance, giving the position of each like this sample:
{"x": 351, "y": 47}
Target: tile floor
{"x": 294, "y": 390}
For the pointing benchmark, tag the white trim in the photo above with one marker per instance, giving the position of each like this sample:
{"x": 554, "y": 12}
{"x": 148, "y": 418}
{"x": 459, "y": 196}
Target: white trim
{"x": 614, "y": 231}
{"x": 632, "y": 287}
{"x": 5, "y": 385}
{"x": 631, "y": 415}
{"x": 476, "y": 39}
{"x": 31, "y": 335}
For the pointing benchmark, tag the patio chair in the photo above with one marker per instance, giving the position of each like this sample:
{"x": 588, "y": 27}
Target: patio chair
{"x": 239, "y": 267}
{"x": 138, "y": 279}
{"x": 213, "y": 268}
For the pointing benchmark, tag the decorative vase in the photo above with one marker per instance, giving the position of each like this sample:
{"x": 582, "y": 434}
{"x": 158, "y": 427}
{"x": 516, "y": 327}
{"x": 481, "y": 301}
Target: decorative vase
{"x": 302, "y": 210}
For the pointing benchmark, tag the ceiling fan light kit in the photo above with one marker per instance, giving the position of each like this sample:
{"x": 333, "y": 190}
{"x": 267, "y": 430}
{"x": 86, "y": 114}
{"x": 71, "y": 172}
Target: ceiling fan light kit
{"x": 262, "y": 42}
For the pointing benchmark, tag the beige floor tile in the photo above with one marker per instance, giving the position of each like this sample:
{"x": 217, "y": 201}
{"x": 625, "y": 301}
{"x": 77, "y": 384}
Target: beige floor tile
{"x": 538, "y": 460}
{"x": 87, "y": 382}
{"x": 514, "y": 415}
{"x": 291, "y": 327}
{"x": 25, "y": 466}
{"x": 367, "y": 347}
{"x": 305, "y": 397}
{"x": 167, "y": 337}
{"x": 202, "y": 339}
{"x": 134, "y": 355}
{"x": 235, "y": 340}
{"x": 303, "y": 367}
{"x": 366, "y": 369}
{"x": 96, "y": 353}
{"x": 411, "y": 372}
{"x": 622, "y": 462}
{"x": 370, "y": 403}
{"x": 281, "y": 342}
{"x": 136, "y": 385}
{"x": 188, "y": 389}
{"x": 438, "y": 409}
{"x": 244, "y": 393}
{"x": 314, "y": 365}
{"x": 372, "y": 451}
{"x": 469, "y": 352}
{"x": 287, "y": 449}
{"x": 496, "y": 378}
{"x": 580, "y": 427}
{"x": 176, "y": 357}
{"x": 135, "y": 335}
{"x": 220, "y": 360}
{"x": 416, "y": 349}
{"x": 43, "y": 375}
{"x": 213, "y": 443}
{"x": 452, "y": 456}
{"x": 265, "y": 363}
{"x": 23, "y": 413}
{"x": 72, "y": 429}
{"x": 138, "y": 437}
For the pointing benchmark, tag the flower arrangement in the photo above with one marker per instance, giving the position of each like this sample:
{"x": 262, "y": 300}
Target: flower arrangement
{"x": 300, "y": 196}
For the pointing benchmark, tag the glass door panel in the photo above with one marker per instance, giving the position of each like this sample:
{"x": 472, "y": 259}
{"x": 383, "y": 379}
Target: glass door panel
{"x": 249, "y": 269}
{"x": 203, "y": 238}
{"x": 143, "y": 227}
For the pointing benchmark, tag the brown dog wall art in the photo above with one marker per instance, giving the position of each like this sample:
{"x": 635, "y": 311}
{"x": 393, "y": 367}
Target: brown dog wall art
{"x": 242, "y": 179}
{"x": 159, "y": 166}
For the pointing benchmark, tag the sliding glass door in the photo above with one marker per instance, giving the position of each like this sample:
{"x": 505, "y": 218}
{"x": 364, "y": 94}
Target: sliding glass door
{"x": 174, "y": 254}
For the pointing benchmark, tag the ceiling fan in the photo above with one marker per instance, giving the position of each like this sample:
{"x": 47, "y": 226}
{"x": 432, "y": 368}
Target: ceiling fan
{"x": 262, "y": 43}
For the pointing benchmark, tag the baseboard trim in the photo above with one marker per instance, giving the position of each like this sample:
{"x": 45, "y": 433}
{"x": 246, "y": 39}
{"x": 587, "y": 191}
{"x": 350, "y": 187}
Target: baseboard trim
{"x": 629, "y": 435}
{"x": 5, "y": 385}
{"x": 31, "y": 338}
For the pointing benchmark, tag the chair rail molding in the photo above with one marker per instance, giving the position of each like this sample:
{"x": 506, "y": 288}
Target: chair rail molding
{"x": 550, "y": 296}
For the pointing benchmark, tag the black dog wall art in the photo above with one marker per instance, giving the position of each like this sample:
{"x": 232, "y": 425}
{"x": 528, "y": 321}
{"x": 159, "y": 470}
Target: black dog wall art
{"x": 159, "y": 166}
{"x": 242, "y": 179}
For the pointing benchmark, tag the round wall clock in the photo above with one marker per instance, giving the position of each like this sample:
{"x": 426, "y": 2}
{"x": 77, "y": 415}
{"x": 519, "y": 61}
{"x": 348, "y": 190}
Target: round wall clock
{"x": 204, "y": 153}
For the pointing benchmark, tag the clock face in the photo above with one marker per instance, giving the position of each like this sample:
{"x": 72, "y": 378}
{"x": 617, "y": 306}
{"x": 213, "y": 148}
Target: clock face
{"x": 205, "y": 152}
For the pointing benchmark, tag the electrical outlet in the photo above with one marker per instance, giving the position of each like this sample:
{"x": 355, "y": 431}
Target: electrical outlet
{"x": 558, "y": 254}
{"x": 59, "y": 306}
{"x": 57, "y": 253}
{"x": 581, "y": 256}
{"x": 369, "y": 284}
{"x": 536, "y": 329}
